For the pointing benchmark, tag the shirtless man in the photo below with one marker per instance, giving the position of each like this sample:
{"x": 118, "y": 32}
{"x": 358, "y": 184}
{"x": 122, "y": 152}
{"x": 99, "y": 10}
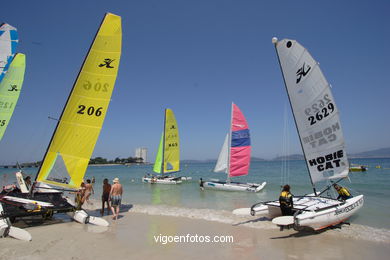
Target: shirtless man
{"x": 116, "y": 197}
{"x": 106, "y": 196}
{"x": 88, "y": 191}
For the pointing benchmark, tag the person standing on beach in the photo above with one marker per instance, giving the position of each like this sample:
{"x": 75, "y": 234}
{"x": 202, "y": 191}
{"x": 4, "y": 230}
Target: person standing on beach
{"x": 88, "y": 191}
{"x": 106, "y": 196}
{"x": 116, "y": 197}
{"x": 79, "y": 199}
{"x": 286, "y": 201}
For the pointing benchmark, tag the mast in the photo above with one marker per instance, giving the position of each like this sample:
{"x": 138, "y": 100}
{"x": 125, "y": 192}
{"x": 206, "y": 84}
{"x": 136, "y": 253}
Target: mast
{"x": 163, "y": 143}
{"x": 229, "y": 143}
{"x": 275, "y": 42}
{"x": 70, "y": 94}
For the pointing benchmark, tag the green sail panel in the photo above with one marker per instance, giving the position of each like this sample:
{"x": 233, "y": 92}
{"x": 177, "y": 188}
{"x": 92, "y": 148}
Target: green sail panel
{"x": 10, "y": 88}
{"x": 159, "y": 157}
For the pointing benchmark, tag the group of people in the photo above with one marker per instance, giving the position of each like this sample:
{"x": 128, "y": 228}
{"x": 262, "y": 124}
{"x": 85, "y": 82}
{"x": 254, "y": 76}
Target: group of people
{"x": 286, "y": 198}
{"x": 112, "y": 196}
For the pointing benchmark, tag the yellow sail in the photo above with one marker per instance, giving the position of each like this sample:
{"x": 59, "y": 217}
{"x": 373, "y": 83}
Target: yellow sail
{"x": 72, "y": 144}
{"x": 10, "y": 88}
{"x": 171, "y": 143}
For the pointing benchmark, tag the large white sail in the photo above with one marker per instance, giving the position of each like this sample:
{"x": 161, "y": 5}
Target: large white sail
{"x": 315, "y": 112}
{"x": 222, "y": 163}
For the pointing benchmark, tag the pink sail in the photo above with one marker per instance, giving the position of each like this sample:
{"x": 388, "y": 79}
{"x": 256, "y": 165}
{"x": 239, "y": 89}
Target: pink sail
{"x": 240, "y": 146}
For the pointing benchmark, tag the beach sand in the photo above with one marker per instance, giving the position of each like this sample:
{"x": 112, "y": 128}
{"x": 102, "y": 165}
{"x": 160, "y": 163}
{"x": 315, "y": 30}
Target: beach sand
{"x": 133, "y": 236}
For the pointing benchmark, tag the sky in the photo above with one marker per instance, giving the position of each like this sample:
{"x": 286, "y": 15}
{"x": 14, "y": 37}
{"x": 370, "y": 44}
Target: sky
{"x": 196, "y": 57}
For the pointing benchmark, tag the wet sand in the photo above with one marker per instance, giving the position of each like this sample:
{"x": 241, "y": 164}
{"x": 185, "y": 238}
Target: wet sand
{"x": 133, "y": 236}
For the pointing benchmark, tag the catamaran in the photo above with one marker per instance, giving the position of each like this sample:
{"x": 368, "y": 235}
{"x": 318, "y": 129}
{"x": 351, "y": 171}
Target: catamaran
{"x": 234, "y": 158}
{"x": 10, "y": 88}
{"x": 318, "y": 124}
{"x": 8, "y": 43}
{"x": 68, "y": 154}
{"x": 168, "y": 155}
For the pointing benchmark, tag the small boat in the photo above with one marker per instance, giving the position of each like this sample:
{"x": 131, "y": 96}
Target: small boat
{"x": 68, "y": 154}
{"x": 358, "y": 168}
{"x": 8, "y": 43}
{"x": 10, "y": 88}
{"x": 168, "y": 155}
{"x": 234, "y": 158}
{"x": 318, "y": 124}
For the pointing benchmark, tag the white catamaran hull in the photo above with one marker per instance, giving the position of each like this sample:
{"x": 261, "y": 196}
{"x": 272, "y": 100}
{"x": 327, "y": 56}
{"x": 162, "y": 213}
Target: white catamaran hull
{"x": 81, "y": 216}
{"x": 233, "y": 186}
{"x": 7, "y": 230}
{"x": 168, "y": 180}
{"x": 314, "y": 212}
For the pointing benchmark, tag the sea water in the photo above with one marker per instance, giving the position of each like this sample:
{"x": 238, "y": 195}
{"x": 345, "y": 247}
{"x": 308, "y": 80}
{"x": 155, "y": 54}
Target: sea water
{"x": 373, "y": 184}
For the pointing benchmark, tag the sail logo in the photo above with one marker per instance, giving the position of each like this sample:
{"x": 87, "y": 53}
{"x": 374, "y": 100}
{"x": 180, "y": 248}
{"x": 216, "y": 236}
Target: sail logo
{"x": 349, "y": 208}
{"x": 302, "y": 72}
{"x": 241, "y": 126}
{"x": 322, "y": 137}
{"x": 107, "y": 63}
{"x": 13, "y": 88}
{"x": 328, "y": 161}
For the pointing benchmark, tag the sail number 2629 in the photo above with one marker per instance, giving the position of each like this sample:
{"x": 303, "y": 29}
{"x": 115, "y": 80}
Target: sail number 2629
{"x": 89, "y": 110}
{"x": 320, "y": 109}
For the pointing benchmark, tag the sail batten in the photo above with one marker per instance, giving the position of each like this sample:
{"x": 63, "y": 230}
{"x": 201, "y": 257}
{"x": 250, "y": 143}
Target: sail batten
{"x": 79, "y": 126}
{"x": 315, "y": 112}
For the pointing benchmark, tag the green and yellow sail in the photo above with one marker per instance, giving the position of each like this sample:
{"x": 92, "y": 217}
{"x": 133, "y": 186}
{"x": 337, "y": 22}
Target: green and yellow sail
{"x": 74, "y": 139}
{"x": 168, "y": 155}
{"x": 10, "y": 88}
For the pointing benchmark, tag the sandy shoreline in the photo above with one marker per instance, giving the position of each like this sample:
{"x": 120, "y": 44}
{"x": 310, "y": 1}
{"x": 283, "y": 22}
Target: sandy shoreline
{"x": 134, "y": 236}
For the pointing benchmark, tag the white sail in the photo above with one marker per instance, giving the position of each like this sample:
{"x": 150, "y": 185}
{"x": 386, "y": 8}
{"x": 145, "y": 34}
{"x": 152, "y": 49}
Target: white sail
{"x": 8, "y": 43}
{"x": 222, "y": 163}
{"x": 315, "y": 112}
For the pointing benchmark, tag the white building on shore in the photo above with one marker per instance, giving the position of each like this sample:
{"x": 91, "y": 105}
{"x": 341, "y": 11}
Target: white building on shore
{"x": 142, "y": 152}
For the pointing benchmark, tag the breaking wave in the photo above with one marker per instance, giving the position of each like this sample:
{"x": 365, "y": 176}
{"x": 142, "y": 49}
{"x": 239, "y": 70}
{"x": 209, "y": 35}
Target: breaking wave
{"x": 354, "y": 231}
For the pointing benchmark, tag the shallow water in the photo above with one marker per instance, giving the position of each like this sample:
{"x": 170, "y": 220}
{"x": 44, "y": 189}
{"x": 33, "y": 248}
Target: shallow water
{"x": 374, "y": 184}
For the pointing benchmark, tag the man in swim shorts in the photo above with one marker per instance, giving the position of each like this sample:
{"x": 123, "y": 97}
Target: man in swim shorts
{"x": 116, "y": 197}
{"x": 106, "y": 196}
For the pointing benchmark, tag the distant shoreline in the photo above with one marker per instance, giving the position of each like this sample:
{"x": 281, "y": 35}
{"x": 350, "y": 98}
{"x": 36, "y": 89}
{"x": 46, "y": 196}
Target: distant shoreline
{"x": 197, "y": 161}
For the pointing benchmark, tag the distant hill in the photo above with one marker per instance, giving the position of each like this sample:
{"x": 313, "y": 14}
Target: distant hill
{"x": 257, "y": 159}
{"x": 378, "y": 153}
{"x": 199, "y": 161}
{"x": 289, "y": 157}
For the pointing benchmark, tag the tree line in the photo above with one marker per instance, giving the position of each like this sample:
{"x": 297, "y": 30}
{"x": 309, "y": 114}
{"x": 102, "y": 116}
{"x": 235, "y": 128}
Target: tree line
{"x": 117, "y": 160}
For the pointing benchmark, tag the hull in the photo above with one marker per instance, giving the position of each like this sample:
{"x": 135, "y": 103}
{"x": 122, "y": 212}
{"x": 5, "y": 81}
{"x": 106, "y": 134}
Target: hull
{"x": 167, "y": 180}
{"x": 233, "y": 186}
{"x": 18, "y": 205}
{"x": 185, "y": 178}
{"x": 357, "y": 169}
{"x": 314, "y": 212}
